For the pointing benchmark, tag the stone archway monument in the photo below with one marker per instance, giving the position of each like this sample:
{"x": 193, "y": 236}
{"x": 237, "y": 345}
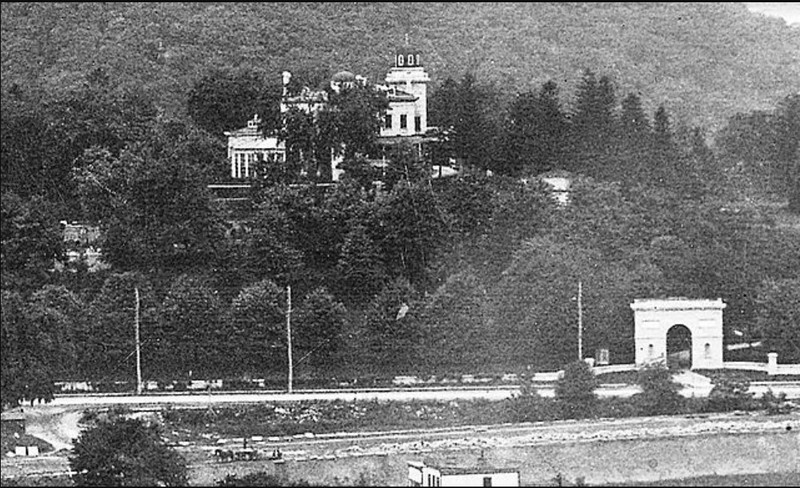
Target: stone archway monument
{"x": 653, "y": 319}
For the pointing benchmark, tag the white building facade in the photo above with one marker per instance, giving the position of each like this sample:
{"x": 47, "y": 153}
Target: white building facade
{"x": 248, "y": 145}
{"x": 421, "y": 474}
{"x": 407, "y": 90}
{"x": 406, "y": 118}
{"x": 655, "y": 318}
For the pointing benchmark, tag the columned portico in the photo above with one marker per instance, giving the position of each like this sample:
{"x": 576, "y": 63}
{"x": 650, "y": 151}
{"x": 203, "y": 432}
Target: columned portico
{"x": 653, "y": 319}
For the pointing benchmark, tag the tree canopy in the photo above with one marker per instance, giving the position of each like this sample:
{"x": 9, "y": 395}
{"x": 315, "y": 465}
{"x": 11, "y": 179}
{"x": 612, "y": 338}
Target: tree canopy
{"x": 125, "y": 452}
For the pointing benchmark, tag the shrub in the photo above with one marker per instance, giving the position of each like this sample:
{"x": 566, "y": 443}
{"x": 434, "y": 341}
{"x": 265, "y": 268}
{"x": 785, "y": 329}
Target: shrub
{"x": 775, "y": 405}
{"x": 615, "y": 407}
{"x": 259, "y": 478}
{"x": 730, "y": 393}
{"x": 575, "y": 391}
{"x": 529, "y": 406}
{"x": 125, "y": 452}
{"x": 659, "y": 394}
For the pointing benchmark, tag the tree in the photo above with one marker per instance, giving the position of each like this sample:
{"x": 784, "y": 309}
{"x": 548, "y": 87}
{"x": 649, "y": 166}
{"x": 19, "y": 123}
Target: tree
{"x": 23, "y": 373}
{"x": 466, "y": 201}
{"x": 600, "y": 215}
{"x": 443, "y": 113}
{"x": 360, "y": 269}
{"x": 30, "y": 242}
{"x": 189, "y": 327}
{"x": 32, "y": 147}
{"x": 270, "y": 245}
{"x": 594, "y": 124}
{"x": 57, "y": 318}
{"x": 659, "y": 394}
{"x": 318, "y": 325}
{"x": 300, "y": 135}
{"x": 356, "y": 115}
{"x": 633, "y": 123}
{"x": 664, "y": 166}
{"x": 225, "y": 99}
{"x": 453, "y": 322}
{"x": 108, "y": 352}
{"x": 778, "y": 313}
{"x": 635, "y": 134}
{"x": 534, "y": 304}
{"x": 125, "y": 452}
{"x": 537, "y": 130}
{"x": 159, "y": 214}
{"x": 473, "y": 134}
{"x": 43, "y": 135}
{"x": 575, "y": 390}
{"x": 392, "y": 337}
{"x": 404, "y": 165}
{"x": 411, "y": 230}
{"x": 257, "y": 328}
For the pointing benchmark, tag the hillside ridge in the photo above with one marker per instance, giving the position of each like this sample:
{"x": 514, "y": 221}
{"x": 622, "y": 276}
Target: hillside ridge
{"x": 705, "y": 62}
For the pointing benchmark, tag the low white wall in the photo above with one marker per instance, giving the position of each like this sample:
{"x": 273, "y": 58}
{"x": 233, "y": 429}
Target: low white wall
{"x": 548, "y": 376}
{"x": 745, "y": 365}
{"x": 614, "y": 368}
{"x": 788, "y": 369}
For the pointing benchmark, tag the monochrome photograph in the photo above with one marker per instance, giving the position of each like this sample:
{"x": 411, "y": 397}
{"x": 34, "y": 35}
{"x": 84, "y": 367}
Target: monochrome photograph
{"x": 400, "y": 244}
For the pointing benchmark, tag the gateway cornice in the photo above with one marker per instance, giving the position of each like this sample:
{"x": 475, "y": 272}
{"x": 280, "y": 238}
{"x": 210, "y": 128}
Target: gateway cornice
{"x": 677, "y": 304}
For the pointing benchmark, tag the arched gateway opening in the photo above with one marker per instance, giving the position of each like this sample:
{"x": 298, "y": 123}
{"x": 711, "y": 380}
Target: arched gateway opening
{"x": 678, "y": 332}
{"x": 679, "y": 347}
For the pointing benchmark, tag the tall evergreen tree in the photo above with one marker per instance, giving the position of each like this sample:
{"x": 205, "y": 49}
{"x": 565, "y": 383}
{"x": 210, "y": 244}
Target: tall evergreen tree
{"x": 537, "y": 131}
{"x": 472, "y": 132}
{"x": 594, "y": 124}
{"x": 634, "y": 127}
{"x": 663, "y": 164}
{"x": 634, "y": 138}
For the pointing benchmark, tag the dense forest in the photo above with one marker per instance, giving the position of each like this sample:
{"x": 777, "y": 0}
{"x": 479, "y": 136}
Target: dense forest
{"x": 694, "y": 58}
{"x": 475, "y": 273}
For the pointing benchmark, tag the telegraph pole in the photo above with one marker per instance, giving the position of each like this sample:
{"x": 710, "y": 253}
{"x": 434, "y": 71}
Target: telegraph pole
{"x": 289, "y": 331}
{"x": 580, "y": 323}
{"x": 138, "y": 346}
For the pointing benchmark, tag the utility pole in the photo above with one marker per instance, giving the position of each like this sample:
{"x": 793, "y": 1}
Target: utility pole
{"x": 580, "y": 323}
{"x": 138, "y": 346}
{"x": 289, "y": 331}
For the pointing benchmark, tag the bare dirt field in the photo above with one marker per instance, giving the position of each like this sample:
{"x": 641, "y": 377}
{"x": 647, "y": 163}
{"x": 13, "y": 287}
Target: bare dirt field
{"x": 648, "y": 451}
{"x": 601, "y": 452}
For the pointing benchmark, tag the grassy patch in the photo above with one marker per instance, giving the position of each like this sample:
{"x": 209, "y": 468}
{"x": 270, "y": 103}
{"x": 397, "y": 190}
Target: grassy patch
{"x": 64, "y": 480}
{"x": 764, "y": 479}
{"x": 327, "y": 417}
{"x": 9, "y": 443}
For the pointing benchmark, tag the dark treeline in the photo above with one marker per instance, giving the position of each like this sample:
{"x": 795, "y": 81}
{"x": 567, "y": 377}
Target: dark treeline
{"x": 474, "y": 273}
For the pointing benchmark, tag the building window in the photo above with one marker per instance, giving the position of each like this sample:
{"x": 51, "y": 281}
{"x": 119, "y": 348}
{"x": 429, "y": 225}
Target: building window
{"x": 650, "y": 351}
{"x": 707, "y": 350}
{"x": 403, "y": 121}
{"x": 487, "y": 481}
{"x": 400, "y": 60}
{"x": 417, "y": 124}
{"x": 387, "y": 121}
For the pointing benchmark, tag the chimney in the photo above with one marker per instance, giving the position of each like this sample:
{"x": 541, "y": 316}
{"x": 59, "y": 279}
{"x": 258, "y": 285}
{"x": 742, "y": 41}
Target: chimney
{"x": 286, "y": 77}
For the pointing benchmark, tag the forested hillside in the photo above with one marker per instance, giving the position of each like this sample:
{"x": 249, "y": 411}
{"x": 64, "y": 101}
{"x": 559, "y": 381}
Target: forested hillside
{"x": 704, "y": 61}
{"x": 113, "y": 115}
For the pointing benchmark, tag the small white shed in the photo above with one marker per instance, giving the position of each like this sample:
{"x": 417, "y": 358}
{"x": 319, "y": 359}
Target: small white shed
{"x": 422, "y": 474}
